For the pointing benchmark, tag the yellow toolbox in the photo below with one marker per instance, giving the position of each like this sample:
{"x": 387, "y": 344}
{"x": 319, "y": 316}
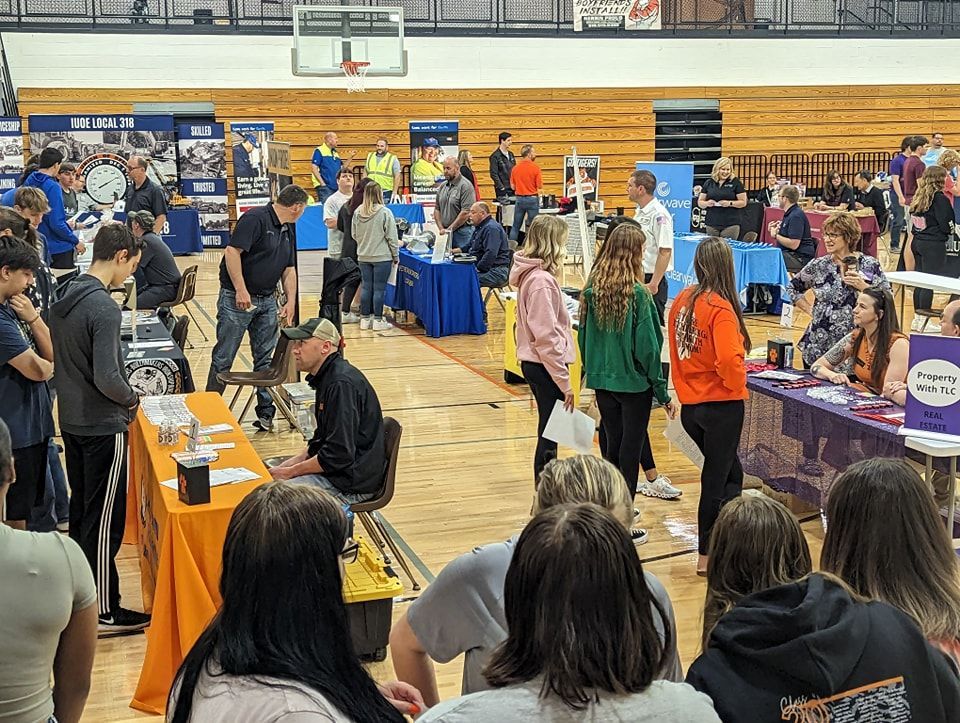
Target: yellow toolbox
{"x": 369, "y": 586}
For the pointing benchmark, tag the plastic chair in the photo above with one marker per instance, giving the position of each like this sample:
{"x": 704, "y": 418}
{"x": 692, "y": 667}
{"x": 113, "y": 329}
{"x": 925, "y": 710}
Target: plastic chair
{"x": 750, "y": 237}
{"x": 185, "y": 293}
{"x": 366, "y": 511}
{"x": 179, "y": 332}
{"x": 270, "y": 379}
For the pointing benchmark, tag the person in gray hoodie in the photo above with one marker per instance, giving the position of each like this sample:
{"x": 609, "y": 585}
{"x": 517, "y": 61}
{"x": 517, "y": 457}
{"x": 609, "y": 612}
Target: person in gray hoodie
{"x": 375, "y": 231}
{"x": 96, "y": 404}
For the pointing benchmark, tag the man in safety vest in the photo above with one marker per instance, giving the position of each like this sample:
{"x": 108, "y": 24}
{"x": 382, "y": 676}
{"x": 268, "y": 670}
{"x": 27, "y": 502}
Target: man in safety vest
{"x": 384, "y": 169}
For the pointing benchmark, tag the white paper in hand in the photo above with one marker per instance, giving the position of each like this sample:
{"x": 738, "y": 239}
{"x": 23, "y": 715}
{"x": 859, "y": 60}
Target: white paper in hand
{"x": 392, "y": 280}
{"x": 571, "y": 429}
{"x": 677, "y": 435}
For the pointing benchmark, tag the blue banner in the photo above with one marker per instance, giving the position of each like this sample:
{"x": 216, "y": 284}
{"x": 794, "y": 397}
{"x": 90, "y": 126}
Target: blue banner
{"x": 248, "y": 141}
{"x": 11, "y": 148}
{"x": 203, "y": 170}
{"x": 54, "y": 123}
{"x": 674, "y": 190}
{"x": 430, "y": 143}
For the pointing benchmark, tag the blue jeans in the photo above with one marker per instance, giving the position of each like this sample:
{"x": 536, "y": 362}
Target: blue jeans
{"x": 323, "y": 193}
{"x": 373, "y": 285}
{"x": 495, "y": 277}
{"x": 528, "y": 206}
{"x": 56, "y": 501}
{"x": 897, "y": 220}
{"x": 327, "y": 486}
{"x": 460, "y": 239}
{"x": 264, "y": 327}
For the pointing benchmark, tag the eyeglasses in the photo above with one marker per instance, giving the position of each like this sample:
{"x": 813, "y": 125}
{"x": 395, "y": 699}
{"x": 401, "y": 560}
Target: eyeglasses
{"x": 350, "y": 552}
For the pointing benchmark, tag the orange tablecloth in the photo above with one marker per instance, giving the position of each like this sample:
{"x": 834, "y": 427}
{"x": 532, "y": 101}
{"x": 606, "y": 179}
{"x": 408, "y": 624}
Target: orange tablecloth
{"x": 180, "y": 546}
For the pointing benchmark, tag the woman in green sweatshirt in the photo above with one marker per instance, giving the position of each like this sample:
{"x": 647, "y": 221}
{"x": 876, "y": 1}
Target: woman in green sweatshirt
{"x": 620, "y": 341}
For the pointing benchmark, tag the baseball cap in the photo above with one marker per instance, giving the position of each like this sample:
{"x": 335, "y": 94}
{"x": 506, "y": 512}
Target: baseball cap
{"x": 252, "y": 138}
{"x": 430, "y": 143}
{"x": 316, "y": 328}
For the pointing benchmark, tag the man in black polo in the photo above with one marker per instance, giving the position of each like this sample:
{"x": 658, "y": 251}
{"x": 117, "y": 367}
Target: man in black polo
{"x": 346, "y": 455}
{"x": 261, "y": 253}
{"x": 143, "y": 194}
{"x": 502, "y": 162}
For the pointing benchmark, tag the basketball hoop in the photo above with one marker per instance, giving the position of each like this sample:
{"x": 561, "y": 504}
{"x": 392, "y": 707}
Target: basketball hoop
{"x": 356, "y": 72}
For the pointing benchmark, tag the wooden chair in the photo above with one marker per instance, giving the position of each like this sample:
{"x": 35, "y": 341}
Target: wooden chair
{"x": 179, "y": 332}
{"x": 366, "y": 511}
{"x": 185, "y": 293}
{"x": 270, "y": 379}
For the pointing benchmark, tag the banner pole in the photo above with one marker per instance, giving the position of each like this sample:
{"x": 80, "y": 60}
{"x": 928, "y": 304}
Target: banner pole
{"x": 582, "y": 217}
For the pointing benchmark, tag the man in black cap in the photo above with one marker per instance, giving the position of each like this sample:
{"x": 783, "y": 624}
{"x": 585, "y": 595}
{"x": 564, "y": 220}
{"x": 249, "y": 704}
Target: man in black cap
{"x": 346, "y": 455}
{"x": 502, "y": 162}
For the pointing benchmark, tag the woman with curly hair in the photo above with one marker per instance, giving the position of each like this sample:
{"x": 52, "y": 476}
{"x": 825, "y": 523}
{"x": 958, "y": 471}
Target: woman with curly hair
{"x": 708, "y": 341}
{"x": 620, "y": 341}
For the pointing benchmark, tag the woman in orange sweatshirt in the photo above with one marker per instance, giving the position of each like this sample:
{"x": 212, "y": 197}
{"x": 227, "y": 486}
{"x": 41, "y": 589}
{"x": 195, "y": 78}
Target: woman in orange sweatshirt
{"x": 708, "y": 340}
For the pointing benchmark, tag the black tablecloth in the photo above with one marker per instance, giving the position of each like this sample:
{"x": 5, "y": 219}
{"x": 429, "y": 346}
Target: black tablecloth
{"x": 155, "y": 371}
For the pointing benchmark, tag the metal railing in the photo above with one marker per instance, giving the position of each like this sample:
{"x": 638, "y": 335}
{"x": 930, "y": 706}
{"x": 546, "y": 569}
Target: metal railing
{"x": 808, "y": 169}
{"x": 758, "y": 18}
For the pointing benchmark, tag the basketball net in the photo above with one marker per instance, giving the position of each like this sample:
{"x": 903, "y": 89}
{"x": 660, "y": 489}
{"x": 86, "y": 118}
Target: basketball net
{"x": 356, "y": 73}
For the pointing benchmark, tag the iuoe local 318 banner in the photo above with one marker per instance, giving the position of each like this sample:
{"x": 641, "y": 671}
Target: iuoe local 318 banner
{"x": 203, "y": 174}
{"x": 430, "y": 143}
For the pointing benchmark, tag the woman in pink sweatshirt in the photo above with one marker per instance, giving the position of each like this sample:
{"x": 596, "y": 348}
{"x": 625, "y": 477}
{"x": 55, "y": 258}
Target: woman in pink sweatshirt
{"x": 544, "y": 340}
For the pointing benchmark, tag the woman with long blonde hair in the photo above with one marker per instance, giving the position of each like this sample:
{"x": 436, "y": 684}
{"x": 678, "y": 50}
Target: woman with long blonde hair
{"x": 723, "y": 196}
{"x": 708, "y": 341}
{"x": 932, "y": 223}
{"x": 544, "y": 336}
{"x": 465, "y": 161}
{"x": 620, "y": 341}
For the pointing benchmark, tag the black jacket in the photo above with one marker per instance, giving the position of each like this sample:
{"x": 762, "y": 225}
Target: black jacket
{"x": 936, "y": 223}
{"x": 349, "y": 440}
{"x": 810, "y": 648}
{"x": 489, "y": 244}
{"x": 842, "y": 198}
{"x": 500, "y": 169}
{"x": 89, "y": 375}
{"x": 872, "y": 198}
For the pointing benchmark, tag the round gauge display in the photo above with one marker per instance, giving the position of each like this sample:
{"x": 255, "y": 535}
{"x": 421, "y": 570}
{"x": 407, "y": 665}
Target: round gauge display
{"x": 106, "y": 177}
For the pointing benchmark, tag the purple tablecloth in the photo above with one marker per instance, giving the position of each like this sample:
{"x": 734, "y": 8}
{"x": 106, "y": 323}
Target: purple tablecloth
{"x": 798, "y": 444}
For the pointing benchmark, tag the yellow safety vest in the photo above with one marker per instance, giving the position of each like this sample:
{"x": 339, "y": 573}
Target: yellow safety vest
{"x": 381, "y": 170}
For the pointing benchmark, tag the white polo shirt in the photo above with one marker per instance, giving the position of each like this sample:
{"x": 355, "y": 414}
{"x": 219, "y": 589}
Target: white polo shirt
{"x": 657, "y": 224}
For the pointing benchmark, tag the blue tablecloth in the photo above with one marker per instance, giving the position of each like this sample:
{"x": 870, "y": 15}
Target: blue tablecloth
{"x": 445, "y": 297}
{"x": 312, "y": 233}
{"x": 184, "y": 233}
{"x": 753, "y": 263}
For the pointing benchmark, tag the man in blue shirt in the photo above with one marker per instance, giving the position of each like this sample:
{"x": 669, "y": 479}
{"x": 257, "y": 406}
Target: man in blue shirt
{"x": 326, "y": 165}
{"x": 490, "y": 245}
{"x": 793, "y": 232}
{"x": 25, "y": 368}
{"x": 61, "y": 240}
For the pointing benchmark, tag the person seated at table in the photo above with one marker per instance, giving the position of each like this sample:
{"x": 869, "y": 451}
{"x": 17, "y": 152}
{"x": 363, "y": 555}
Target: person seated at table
{"x": 836, "y": 193}
{"x": 792, "y": 232}
{"x": 878, "y": 351}
{"x": 932, "y": 231}
{"x": 869, "y": 196}
{"x": 769, "y": 195}
{"x": 461, "y": 612}
{"x": 835, "y": 281}
{"x": 916, "y": 569}
{"x": 490, "y": 245}
{"x": 810, "y": 648}
{"x": 279, "y": 648}
{"x": 571, "y": 653}
{"x": 724, "y": 197}
{"x": 346, "y": 454}
{"x": 157, "y": 275}
{"x": 49, "y": 623}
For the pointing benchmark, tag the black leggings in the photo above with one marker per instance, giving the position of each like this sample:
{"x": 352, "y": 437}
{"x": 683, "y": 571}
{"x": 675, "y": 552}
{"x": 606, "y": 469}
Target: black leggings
{"x": 546, "y": 392}
{"x": 715, "y": 428}
{"x": 625, "y": 417}
{"x": 931, "y": 257}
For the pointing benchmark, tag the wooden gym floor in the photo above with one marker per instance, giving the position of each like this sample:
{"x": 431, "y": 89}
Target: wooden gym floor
{"x": 465, "y": 469}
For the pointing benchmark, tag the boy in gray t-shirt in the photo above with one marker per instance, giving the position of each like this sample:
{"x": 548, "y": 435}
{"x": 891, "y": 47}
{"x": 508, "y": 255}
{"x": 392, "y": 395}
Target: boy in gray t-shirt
{"x": 462, "y": 612}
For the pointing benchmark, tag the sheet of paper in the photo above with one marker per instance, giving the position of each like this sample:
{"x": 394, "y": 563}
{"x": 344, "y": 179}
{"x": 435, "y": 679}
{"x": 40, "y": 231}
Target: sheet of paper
{"x": 227, "y": 476}
{"x": 168, "y": 409}
{"x": 215, "y": 446}
{"x": 159, "y": 344}
{"x": 571, "y": 429}
{"x": 392, "y": 279}
{"x": 786, "y": 316}
{"x": 778, "y": 375}
{"x": 215, "y": 429}
{"x": 439, "y": 249}
{"x": 677, "y": 436}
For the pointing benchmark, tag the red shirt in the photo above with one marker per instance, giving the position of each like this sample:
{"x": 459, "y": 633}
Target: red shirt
{"x": 913, "y": 168}
{"x": 525, "y": 178}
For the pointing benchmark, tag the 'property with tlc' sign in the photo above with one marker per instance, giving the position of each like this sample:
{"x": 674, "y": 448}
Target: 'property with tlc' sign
{"x": 933, "y": 388}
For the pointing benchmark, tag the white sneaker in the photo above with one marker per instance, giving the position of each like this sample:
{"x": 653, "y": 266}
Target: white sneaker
{"x": 381, "y": 325}
{"x": 638, "y": 535}
{"x": 366, "y": 322}
{"x": 660, "y": 487}
{"x": 350, "y": 318}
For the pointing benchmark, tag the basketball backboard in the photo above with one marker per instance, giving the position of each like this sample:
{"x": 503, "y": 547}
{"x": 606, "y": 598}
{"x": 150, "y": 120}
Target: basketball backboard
{"x": 326, "y": 36}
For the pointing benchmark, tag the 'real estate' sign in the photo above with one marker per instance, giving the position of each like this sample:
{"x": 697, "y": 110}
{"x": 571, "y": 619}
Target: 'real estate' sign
{"x": 933, "y": 389}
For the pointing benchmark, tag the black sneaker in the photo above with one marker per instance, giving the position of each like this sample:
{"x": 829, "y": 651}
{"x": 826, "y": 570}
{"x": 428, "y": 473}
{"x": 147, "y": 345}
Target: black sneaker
{"x": 122, "y": 622}
{"x": 638, "y": 535}
{"x": 263, "y": 424}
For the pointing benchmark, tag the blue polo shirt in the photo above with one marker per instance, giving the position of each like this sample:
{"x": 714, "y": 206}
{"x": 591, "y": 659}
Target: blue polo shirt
{"x": 328, "y": 161}
{"x": 26, "y": 404}
{"x": 795, "y": 225}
